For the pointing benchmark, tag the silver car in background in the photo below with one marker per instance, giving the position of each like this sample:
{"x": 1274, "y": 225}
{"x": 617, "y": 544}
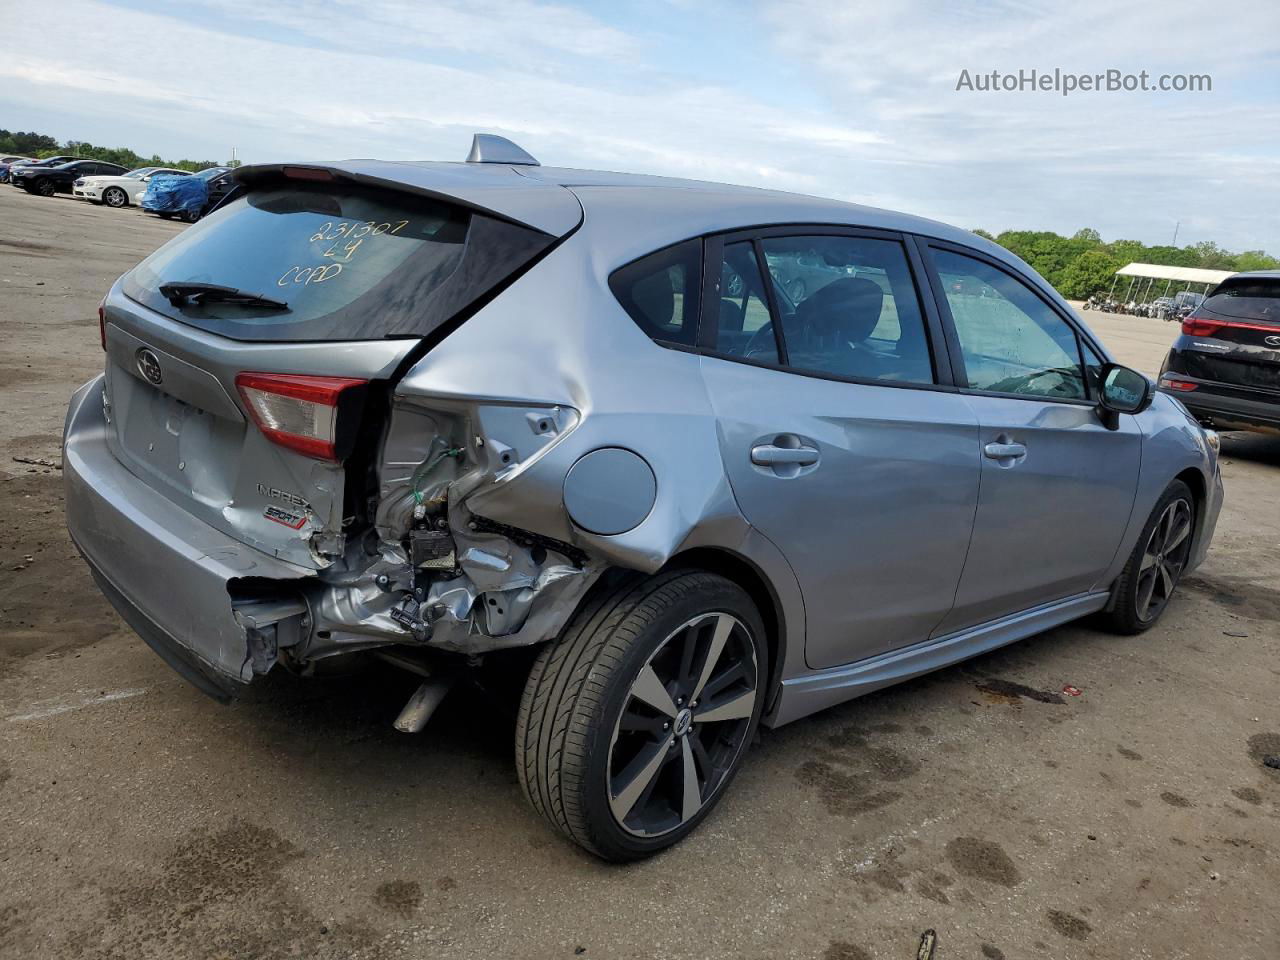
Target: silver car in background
{"x": 436, "y": 412}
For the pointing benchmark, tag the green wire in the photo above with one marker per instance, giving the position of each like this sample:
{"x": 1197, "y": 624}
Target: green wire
{"x": 422, "y": 471}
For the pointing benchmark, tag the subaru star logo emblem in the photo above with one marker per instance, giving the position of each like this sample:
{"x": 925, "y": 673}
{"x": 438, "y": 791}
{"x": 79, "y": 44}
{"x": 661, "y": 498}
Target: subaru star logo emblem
{"x": 149, "y": 366}
{"x": 1271, "y": 341}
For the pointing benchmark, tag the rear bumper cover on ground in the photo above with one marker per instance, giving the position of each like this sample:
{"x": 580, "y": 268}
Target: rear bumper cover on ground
{"x": 165, "y": 571}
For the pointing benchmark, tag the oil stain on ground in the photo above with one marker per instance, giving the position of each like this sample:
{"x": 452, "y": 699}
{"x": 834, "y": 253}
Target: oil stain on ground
{"x": 1243, "y": 596}
{"x": 1128, "y": 754}
{"x": 401, "y": 897}
{"x": 849, "y": 771}
{"x": 1248, "y": 795}
{"x": 840, "y": 950}
{"x": 222, "y": 893}
{"x": 983, "y": 860}
{"x": 1069, "y": 925}
{"x": 1175, "y": 799}
{"x": 1006, "y": 691}
{"x": 1263, "y": 745}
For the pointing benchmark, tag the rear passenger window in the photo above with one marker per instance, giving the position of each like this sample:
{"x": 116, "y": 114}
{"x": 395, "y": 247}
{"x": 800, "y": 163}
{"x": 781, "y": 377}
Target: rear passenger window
{"x": 660, "y": 292}
{"x": 849, "y": 307}
{"x": 744, "y": 329}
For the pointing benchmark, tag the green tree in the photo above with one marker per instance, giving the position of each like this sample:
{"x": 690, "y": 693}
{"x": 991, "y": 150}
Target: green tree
{"x": 1088, "y": 235}
{"x": 1087, "y": 274}
{"x": 1255, "y": 260}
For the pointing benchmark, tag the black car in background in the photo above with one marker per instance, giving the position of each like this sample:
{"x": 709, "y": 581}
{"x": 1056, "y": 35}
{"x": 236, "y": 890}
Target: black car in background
{"x": 48, "y": 180}
{"x": 1225, "y": 366}
{"x": 46, "y": 162}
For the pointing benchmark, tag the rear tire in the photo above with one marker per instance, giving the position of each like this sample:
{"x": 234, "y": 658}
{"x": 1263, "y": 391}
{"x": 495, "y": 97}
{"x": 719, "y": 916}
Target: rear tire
{"x": 1145, "y": 586}
{"x": 627, "y": 737}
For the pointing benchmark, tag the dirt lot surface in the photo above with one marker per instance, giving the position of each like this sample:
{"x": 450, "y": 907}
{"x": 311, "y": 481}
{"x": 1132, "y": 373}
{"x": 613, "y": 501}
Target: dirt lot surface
{"x": 142, "y": 820}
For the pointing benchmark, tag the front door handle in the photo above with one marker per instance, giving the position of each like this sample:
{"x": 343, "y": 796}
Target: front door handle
{"x": 767, "y": 455}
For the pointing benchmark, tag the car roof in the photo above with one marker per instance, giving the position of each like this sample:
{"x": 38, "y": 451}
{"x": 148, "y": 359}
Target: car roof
{"x": 554, "y": 199}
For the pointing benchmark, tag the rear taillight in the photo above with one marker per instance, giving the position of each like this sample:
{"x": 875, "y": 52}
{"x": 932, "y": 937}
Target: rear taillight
{"x": 1172, "y": 383}
{"x": 1200, "y": 326}
{"x": 315, "y": 416}
{"x": 102, "y": 322}
{"x": 1197, "y": 326}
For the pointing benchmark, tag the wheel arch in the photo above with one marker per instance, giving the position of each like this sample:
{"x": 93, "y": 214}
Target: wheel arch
{"x": 747, "y": 575}
{"x": 1195, "y": 481}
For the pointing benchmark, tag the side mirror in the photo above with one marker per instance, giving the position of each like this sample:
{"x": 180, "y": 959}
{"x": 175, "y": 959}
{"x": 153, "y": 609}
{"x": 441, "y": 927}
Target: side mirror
{"x": 1122, "y": 390}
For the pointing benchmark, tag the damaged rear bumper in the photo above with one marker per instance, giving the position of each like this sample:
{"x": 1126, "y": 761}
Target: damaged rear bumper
{"x": 166, "y": 572}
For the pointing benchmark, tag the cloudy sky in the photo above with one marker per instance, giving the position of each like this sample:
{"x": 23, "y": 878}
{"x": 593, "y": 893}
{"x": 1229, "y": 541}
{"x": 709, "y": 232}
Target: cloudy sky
{"x": 855, "y": 100}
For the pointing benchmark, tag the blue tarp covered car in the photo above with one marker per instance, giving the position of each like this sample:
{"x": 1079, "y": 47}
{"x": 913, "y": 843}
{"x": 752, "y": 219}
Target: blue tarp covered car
{"x": 171, "y": 196}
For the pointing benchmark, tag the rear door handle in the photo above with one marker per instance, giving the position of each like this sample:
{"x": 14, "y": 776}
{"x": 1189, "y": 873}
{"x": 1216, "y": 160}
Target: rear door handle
{"x": 767, "y": 455}
{"x": 1005, "y": 452}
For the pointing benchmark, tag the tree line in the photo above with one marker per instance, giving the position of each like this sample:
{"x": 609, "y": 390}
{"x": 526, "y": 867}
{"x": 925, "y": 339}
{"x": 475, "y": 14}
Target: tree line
{"x": 1082, "y": 264}
{"x": 38, "y": 145}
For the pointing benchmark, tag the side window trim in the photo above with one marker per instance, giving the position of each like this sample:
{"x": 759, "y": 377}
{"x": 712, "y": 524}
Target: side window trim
{"x": 771, "y": 298}
{"x": 927, "y": 245}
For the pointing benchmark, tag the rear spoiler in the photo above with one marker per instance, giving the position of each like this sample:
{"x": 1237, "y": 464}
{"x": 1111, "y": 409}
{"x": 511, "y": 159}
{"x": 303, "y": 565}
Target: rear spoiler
{"x": 495, "y": 190}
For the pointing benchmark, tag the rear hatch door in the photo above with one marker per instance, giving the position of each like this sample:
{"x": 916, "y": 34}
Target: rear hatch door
{"x": 1235, "y": 335}
{"x": 248, "y": 358}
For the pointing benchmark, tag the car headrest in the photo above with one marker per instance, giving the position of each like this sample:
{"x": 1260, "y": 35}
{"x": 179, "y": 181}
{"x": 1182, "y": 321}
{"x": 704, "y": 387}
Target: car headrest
{"x": 731, "y": 315}
{"x": 849, "y": 307}
{"x": 655, "y": 298}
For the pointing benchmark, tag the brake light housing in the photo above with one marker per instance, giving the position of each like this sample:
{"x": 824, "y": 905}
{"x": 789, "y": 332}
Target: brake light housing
{"x": 1182, "y": 386}
{"x": 311, "y": 415}
{"x": 1194, "y": 325}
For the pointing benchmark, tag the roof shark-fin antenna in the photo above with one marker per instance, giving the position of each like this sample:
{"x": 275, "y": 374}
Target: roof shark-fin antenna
{"x": 490, "y": 148}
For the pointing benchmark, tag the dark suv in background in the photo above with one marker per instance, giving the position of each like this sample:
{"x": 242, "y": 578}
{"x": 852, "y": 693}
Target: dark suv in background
{"x": 47, "y": 181}
{"x": 1225, "y": 367}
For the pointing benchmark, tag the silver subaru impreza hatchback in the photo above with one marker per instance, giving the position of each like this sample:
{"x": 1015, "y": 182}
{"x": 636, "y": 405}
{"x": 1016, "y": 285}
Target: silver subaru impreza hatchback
{"x": 724, "y": 456}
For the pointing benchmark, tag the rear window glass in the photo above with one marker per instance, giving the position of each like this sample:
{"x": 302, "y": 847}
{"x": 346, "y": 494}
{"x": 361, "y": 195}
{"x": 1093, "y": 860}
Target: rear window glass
{"x": 1250, "y": 298}
{"x": 348, "y": 264}
{"x": 660, "y": 292}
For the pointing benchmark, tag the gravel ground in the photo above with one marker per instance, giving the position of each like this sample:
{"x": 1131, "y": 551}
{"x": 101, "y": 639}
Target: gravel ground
{"x": 143, "y": 820}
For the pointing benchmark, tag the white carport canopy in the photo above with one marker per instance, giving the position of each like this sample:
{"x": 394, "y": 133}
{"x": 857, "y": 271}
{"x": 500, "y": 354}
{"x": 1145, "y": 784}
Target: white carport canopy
{"x": 1147, "y": 275}
{"x": 1158, "y": 271}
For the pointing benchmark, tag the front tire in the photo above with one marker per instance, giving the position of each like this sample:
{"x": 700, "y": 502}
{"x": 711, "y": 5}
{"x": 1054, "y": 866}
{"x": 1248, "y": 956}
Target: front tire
{"x": 1159, "y": 558}
{"x": 634, "y": 722}
{"x": 44, "y": 187}
{"x": 115, "y": 197}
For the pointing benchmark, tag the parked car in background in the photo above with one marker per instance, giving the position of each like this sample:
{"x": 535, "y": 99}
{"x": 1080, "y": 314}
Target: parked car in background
{"x": 1225, "y": 367}
{"x": 122, "y": 190}
{"x": 340, "y": 419}
{"x": 46, "y": 162}
{"x": 47, "y": 181}
{"x": 6, "y": 163}
{"x": 804, "y": 273}
{"x": 189, "y": 200}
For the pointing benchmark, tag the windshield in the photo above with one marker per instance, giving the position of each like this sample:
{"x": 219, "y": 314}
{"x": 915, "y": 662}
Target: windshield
{"x": 140, "y": 172}
{"x": 211, "y": 173}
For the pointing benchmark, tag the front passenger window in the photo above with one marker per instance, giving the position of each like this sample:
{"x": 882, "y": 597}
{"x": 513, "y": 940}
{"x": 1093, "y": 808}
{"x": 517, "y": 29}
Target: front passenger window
{"x": 1011, "y": 341}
